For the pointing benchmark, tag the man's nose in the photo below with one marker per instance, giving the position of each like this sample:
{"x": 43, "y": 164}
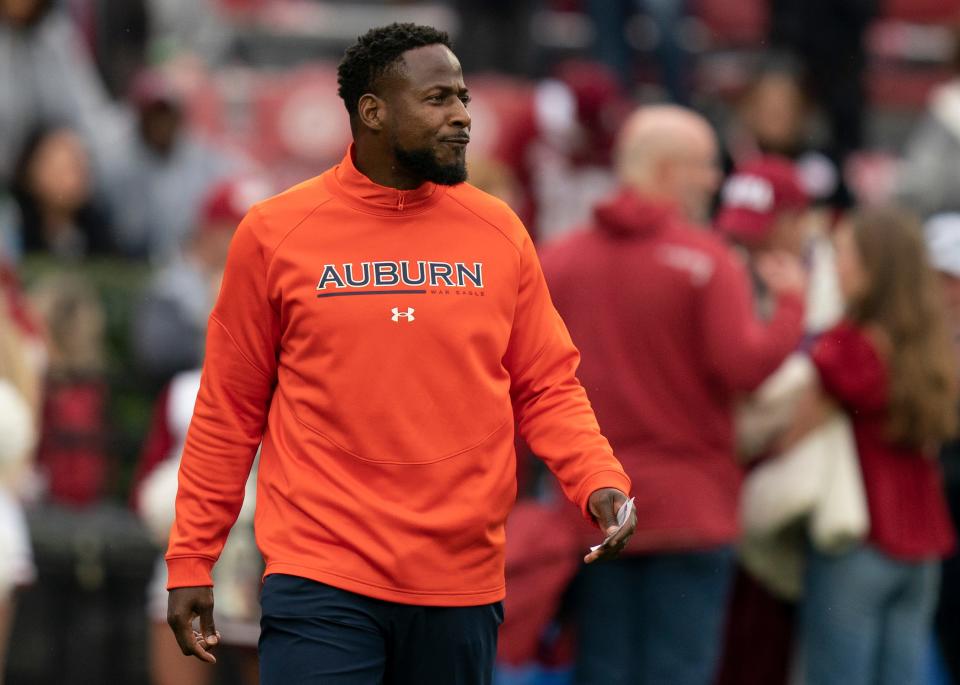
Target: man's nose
{"x": 459, "y": 116}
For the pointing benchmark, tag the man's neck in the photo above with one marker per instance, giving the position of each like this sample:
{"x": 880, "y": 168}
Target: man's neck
{"x": 383, "y": 169}
{"x": 658, "y": 194}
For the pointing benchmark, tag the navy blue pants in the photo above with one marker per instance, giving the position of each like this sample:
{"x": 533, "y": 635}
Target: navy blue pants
{"x": 314, "y": 634}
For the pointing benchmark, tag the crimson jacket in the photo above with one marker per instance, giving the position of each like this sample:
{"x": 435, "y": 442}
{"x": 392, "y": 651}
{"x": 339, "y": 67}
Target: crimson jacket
{"x": 663, "y": 316}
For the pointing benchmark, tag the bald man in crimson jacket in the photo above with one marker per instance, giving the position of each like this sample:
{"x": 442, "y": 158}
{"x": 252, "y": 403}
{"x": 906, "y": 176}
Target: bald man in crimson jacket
{"x": 662, "y": 313}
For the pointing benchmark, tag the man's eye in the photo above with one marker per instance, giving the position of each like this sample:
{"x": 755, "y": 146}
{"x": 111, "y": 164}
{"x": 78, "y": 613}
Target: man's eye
{"x": 465, "y": 99}
{"x": 437, "y": 99}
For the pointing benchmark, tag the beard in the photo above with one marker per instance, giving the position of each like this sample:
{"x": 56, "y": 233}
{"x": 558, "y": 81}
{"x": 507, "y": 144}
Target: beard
{"x": 422, "y": 163}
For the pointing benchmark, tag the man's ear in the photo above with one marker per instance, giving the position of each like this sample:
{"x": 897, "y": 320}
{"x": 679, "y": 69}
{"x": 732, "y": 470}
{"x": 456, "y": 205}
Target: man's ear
{"x": 372, "y": 111}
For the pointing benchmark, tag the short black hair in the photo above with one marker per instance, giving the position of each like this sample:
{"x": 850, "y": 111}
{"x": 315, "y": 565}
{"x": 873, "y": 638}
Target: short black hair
{"x": 375, "y": 52}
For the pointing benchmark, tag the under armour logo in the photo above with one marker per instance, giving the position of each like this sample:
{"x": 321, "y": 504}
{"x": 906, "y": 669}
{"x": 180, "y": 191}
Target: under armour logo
{"x": 408, "y": 315}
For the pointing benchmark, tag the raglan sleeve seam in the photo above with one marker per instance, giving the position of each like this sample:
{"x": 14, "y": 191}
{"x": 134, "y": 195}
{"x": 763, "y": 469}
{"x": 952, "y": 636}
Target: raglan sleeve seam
{"x": 536, "y": 357}
{"x": 546, "y": 343}
{"x": 243, "y": 356}
{"x": 289, "y": 231}
{"x": 503, "y": 233}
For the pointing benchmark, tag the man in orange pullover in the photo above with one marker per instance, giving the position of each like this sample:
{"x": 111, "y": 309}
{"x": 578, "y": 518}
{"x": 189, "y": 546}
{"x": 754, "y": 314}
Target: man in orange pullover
{"x": 380, "y": 329}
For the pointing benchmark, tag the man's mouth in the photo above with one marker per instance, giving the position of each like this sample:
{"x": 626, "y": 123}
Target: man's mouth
{"x": 456, "y": 140}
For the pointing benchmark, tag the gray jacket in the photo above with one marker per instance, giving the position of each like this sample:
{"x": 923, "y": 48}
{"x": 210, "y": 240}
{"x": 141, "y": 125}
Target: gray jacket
{"x": 47, "y": 76}
{"x": 929, "y": 180}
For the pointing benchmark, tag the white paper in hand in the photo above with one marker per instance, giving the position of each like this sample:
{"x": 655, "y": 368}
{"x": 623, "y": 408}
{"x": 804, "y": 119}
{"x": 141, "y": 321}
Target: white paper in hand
{"x": 622, "y": 517}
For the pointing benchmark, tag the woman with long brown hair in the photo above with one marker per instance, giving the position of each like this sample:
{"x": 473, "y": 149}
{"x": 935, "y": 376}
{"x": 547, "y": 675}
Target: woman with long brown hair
{"x": 866, "y": 613}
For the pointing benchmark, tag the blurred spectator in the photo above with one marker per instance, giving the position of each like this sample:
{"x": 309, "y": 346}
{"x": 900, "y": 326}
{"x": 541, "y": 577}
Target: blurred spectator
{"x": 23, "y": 317}
{"x": 866, "y": 613}
{"x": 171, "y": 323}
{"x": 943, "y": 246}
{"x": 556, "y": 137}
{"x": 828, "y": 35}
{"x": 611, "y": 19}
{"x": 929, "y": 179}
{"x": 116, "y": 31}
{"x": 662, "y": 314}
{"x": 180, "y": 27}
{"x": 942, "y": 233}
{"x": 240, "y": 565}
{"x": 18, "y": 397}
{"x": 46, "y": 75}
{"x": 10, "y": 248}
{"x": 156, "y": 190}
{"x": 74, "y": 434}
{"x": 775, "y": 116}
{"x": 56, "y": 212}
{"x": 576, "y": 115}
{"x": 496, "y": 178}
{"x": 497, "y": 36}
{"x": 764, "y": 208}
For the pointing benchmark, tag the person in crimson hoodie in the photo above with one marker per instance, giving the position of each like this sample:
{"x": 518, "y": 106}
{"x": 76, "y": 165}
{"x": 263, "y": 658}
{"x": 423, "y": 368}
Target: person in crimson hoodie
{"x": 662, "y": 312}
{"x": 381, "y": 329}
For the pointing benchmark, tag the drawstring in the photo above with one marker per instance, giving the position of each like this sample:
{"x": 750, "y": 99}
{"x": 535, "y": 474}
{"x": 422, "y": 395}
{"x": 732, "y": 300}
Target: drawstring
{"x": 400, "y": 202}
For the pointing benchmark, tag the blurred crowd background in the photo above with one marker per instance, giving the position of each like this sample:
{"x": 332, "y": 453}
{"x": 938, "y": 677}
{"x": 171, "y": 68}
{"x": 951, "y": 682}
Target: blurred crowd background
{"x": 134, "y": 134}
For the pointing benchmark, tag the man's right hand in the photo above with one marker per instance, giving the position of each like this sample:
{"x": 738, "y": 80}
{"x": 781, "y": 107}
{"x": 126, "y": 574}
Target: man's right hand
{"x": 184, "y": 605}
{"x": 782, "y": 273}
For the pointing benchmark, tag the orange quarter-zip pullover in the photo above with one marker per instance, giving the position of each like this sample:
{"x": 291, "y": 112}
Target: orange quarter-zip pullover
{"x": 381, "y": 345}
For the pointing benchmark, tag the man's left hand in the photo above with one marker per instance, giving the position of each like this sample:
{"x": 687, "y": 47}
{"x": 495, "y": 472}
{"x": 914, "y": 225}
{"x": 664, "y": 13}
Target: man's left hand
{"x": 604, "y": 505}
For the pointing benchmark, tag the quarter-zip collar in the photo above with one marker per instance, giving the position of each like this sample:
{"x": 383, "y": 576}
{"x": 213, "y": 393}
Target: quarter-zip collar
{"x": 349, "y": 184}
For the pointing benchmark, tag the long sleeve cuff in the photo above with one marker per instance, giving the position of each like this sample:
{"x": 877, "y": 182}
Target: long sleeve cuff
{"x": 189, "y": 572}
{"x": 598, "y": 481}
